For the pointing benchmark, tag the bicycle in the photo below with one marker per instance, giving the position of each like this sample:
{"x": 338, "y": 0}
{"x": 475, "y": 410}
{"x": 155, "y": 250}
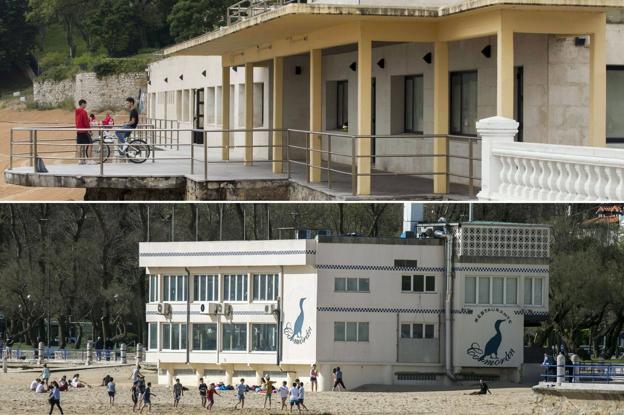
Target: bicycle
{"x": 135, "y": 150}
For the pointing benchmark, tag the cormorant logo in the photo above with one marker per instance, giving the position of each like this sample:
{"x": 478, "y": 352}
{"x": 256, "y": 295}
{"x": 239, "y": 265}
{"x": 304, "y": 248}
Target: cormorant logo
{"x": 294, "y": 332}
{"x": 490, "y": 355}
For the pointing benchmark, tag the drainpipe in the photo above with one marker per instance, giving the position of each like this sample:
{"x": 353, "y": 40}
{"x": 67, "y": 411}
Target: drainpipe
{"x": 279, "y": 318}
{"x": 188, "y": 316}
{"x": 448, "y": 302}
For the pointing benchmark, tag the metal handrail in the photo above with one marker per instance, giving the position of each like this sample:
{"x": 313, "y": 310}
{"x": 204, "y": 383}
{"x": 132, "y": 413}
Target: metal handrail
{"x": 246, "y": 9}
{"x": 586, "y": 372}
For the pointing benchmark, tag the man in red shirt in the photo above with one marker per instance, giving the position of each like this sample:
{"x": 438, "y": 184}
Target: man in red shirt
{"x": 83, "y": 136}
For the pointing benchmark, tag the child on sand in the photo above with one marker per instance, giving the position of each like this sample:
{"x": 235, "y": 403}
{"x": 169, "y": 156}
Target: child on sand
{"x": 40, "y": 387}
{"x": 269, "y": 391}
{"x": 210, "y": 396}
{"x": 55, "y": 397}
{"x": 111, "y": 391}
{"x": 241, "y": 388}
{"x": 294, "y": 397}
{"x": 147, "y": 398}
{"x": 283, "y": 392}
{"x": 34, "y": 384}
{"x": 484, "y": 389}
{"x": 45, "y": 374}
{"x": 301, "y": 393}
{"x": 202, "y": 391}
{"x": 178, "y": 391}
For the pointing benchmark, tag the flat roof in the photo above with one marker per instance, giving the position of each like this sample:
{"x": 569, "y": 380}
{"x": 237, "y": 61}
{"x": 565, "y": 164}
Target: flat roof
{"x": 298, "y": 18}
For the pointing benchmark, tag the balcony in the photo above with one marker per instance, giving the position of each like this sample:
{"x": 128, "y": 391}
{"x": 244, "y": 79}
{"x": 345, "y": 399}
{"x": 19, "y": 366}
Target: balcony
{"x": 246, "y": 9}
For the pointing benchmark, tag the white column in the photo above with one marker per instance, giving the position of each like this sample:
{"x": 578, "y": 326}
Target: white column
{"x": 492, "y": 130}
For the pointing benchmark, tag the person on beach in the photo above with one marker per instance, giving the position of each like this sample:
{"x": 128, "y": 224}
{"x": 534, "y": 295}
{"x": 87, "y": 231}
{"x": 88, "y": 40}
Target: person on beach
{"x": 110, "y": 386}
{"x": 93, "y": 121}
{"x": 147, "y": 398}
{"x": 34, "y": 384}
{"x": 178, "y": 392}
{"x": 269, "y": 391}
{"x": 136, "y": 372}
{"x": 301, "y": 395}
{"x": 203, "y": 388}
{"x": 45, "y": 374}
{"x": 313, "y": 378}
{"x": 76, "y": 382}
{"x": 134, "y": 394}
{"x": 212, "y": 391}
{"x": 338, "y": 381}
{"x": 484, "y": 389}
{"x": 294, "y": 397}
{"x": 40, "y": 387}
{"x": 283, "y": 392}
{"x": 10, "y": 341}
{"x": 241, "y": 388}
{"x": 63, "y": 384}
{"x": 55, "y": 397}
{"x": 83, "y": 135}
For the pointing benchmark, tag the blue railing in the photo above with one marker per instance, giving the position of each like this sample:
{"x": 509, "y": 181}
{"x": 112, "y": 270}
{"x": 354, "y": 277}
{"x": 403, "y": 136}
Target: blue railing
{"x": 109, "y": 355}
{"x": 587, "y": 372}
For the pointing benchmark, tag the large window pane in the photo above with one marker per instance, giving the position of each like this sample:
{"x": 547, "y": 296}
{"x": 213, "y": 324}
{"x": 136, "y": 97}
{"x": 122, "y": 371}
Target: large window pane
{"x": 429, "y": 331}
{"x": 537, "y": 291}
{"x": 264, "y": 337}
{"x": 175, "y": 336}
{"x": 362, "y": 332}
{"x": 484, "y": 290}
{"x": 153, "y": 336}
{"x": 235, "y": 288}
{"x": 498, "y": 290}
{"x": 364, "y": 285}
{"x": 512, "y": 291}
{"x": 342, "y": 105}
{"x": 340, "y": 284}
{"x": 430, "y": 283}
{"x": 409, "y": 104}
{"x": 339, "y": 331}
{"x": 417, "y": 331}
{"x": 406, "y": 331}
{"x": 196, "y": 290}
{"x": 456, "y": 90}
{"x": 256, "y": 287}
{"x": 464, "y": 99}
{"x": 419, "y": 283}
{"x": 470, "y": 295}
{"x": 615, "y": 102}
{"x": 406, "y": 283}
{"x": 204, "y": 337}
{"x": 166, "y": 337}
{"x": 352, "y": 284}
{"x": 235, "y": 337}
{"x": 166, "y": 288}
{"x": 351, "y": 332}
{"x": 528, "y": 290}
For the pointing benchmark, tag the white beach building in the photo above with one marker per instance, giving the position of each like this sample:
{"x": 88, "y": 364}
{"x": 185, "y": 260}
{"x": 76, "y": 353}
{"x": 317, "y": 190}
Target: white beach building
{"x": 375, "y": 307}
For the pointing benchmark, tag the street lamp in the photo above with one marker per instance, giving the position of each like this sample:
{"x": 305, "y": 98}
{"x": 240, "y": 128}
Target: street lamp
{"x": 47, "y": 248}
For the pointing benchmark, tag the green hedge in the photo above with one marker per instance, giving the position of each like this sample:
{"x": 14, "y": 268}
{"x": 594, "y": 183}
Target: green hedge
{"x": 56, "y": 67}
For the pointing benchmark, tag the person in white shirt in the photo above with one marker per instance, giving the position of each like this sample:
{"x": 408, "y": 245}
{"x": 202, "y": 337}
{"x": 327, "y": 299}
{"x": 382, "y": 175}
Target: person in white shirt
{"x": 283, "y": 392}
{"x": 294, "y": 397}
{"x": 33, "y": 384}
{"x": 40, "y": 387}
{"x": 241, "y": 388}
{"x": 301, "y": 393}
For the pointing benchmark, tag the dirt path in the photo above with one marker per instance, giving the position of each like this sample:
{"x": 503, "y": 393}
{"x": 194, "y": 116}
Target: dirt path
{"x": 11, "y": 117}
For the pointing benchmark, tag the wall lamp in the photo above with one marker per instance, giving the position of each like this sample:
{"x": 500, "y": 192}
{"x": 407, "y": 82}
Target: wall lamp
{"x": 381, "y": 63}
{"x": 353, "y": 66}
{"x": 487, "y": 51}
{"x": 181, "y": 77}
{"x": 166, "y": 80}
{"x": 298, "y": 70}
{"x": 204, "y": 73}
{"x": 427, "y": 58}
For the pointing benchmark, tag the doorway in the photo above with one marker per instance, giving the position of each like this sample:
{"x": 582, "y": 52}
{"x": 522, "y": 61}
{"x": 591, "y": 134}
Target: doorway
{"x": 519, "y": 101}
{"x": 373, "y": 119}
{"x": 198, "y": 116}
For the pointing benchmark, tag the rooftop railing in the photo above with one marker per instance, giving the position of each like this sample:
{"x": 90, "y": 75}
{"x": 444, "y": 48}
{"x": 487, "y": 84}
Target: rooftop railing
{"x": 246, "y": 9}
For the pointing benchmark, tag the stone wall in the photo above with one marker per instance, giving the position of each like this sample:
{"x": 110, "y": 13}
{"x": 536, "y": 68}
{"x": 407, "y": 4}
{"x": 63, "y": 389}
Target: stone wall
{"x": 108, "y": 92}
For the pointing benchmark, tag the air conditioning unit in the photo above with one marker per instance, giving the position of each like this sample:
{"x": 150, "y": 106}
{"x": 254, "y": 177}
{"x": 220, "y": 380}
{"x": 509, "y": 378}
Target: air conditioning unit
{"x": 210, "y": 308}
{"x": 164, "y": 309}
{"x": 227, "y": 310}
{"x": 270, "y": 308}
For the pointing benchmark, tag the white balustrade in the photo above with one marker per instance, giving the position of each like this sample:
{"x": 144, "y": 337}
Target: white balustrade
{"x": 546, "y": 172}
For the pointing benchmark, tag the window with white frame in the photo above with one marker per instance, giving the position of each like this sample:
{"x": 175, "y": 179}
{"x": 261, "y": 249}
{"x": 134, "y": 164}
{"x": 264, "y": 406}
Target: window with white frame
{"x": 263, "y": 337}
{"x": 491, "y": 290}
{"x": 235, "y": 287}
{"x": 235, "y": 337}
{"x": 350, "y": 331}
{"x": 417, "y": 331}
{"x": 265, "y": 287}
{"x": 533, "y": 291}
{"x": 152, "y": 333}
{"x": 352, "y": 285}
{"x": 173, "y": 336}
{"x": 153, "y": 288}
{"x": 206, "y": 288}
{"x": 175, "y": 288}
{"x": 418, "y": 283}
{"x": 205, "y": 336}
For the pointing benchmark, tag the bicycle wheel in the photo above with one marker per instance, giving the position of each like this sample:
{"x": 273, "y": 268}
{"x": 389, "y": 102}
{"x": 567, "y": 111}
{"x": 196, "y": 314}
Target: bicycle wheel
{"x": 99, "y": 147}
{"x": 138, "y": 151}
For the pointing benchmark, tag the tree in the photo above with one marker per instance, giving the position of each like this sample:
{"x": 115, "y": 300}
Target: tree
{"x": 17, "y": 35}
{"x": 190, "y": 18}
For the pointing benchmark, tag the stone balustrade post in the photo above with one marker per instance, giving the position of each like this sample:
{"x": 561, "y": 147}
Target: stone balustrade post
{"x": 122, "y": 353}
{"x": 139, "y": 353}
{"x": 560, "y": 369}
{"x": 89, "y": 357}
{"x": 492, "y": 130}
{"x": 40, "y": 352}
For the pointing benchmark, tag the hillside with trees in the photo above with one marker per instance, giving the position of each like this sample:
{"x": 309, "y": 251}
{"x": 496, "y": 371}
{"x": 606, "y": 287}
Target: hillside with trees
{"x": 57, "y": 38}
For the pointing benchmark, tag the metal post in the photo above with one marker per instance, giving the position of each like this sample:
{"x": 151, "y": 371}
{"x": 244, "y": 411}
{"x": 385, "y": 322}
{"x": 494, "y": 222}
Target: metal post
{"x": 32, "y": 164}
{"x": 448, "y": 164}
{"x": 308, "y": 136}
{"x": 178, "y": 136}
{"x": 329, "y": 155}
{"x": 353, "y": 165}
{"x": 101, "y": 154}
{"x": 160, "y": 128}
{"x": 192, "y": 156}
{"x": 34, "y": 159}
{"x": 11, "y": 150}
{"x": 288, "y": 151}
{"x": 205, "y": 156}
{"x": 470, "y": 168}
{"x": 4, "y": 362}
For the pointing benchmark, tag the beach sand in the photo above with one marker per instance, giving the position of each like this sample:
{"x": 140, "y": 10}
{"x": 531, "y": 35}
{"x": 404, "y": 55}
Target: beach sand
{"x": 13, "y": 117}
{"x": 15, "y": 398}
